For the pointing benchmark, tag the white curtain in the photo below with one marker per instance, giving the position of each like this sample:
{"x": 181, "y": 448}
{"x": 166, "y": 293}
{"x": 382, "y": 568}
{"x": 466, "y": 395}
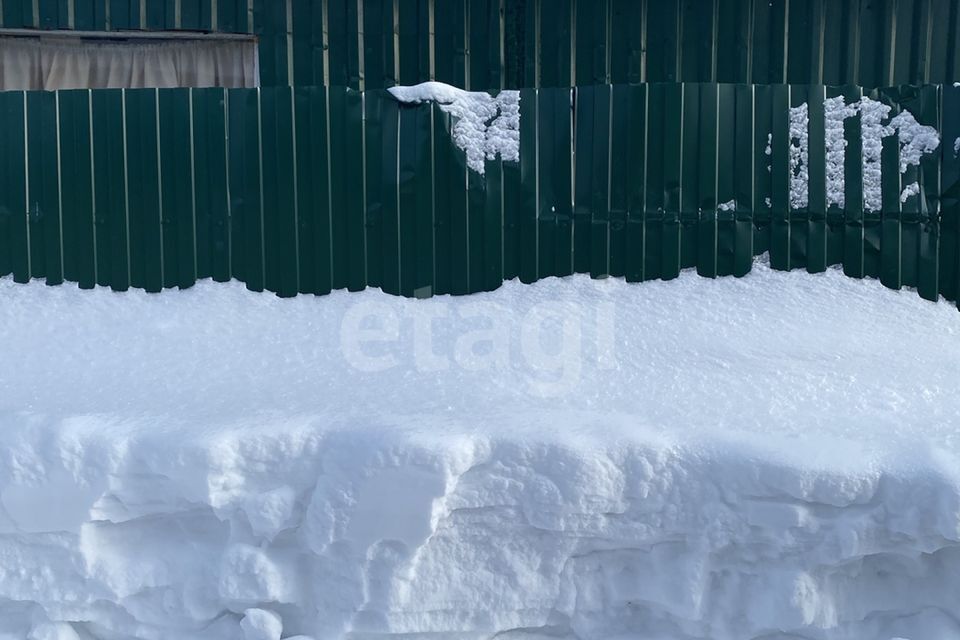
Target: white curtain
{"x": 67, "y": 63}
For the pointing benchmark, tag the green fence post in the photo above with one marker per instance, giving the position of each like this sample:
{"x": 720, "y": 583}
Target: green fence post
{"x": 762, "y": 167}
{"x": 600, "y": 183}
{"x": 655, "y": 196}
{"x": 549, "y": 181}
{"x": 949, "y": 228}
{"x": 780, "y": 177}
{"x": 890, "y": 222}
{"x": 443, "y": 177}
{"x": 44, "y": 186}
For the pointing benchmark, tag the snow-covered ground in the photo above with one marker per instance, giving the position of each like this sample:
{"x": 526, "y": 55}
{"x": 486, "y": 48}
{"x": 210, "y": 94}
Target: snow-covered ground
{"x": 774, "y": 457}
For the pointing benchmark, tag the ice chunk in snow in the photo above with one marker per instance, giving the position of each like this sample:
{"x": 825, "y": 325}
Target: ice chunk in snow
{"x": 258, "y": 624}
{"x": 484, "y": 126}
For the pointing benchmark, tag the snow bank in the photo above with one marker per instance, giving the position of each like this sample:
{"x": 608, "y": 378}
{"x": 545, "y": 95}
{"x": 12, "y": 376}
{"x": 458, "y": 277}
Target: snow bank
{"x": 772, "y": 457}
{"x": 485, "y": 126}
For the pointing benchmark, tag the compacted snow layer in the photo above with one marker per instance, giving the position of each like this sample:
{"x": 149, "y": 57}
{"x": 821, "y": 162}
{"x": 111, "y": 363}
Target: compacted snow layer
{"x": 774, "y": 457}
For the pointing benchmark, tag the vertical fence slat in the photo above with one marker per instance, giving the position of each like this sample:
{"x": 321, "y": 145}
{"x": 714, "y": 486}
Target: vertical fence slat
{"x": 636, "y": 117}
{"x": 655, "y": 192}
{"x": 600, "y": 184}
{"x": 528, "y": 244}
{"x": 689, "y": 175}
{"x": 79, "y": 260}
{"x": 450, "y": 45}
{"x": 245, "y": 196}
{"x": 549, "y": 163}
{"x": 619, "y": 177}
{"x": 45, "y": 186}
{"x": 780, "y": 178}
{"x": 948, "y": 253}
{"x": 179, "y": 251}
{"x": 853, "y": 246}
{"x": 442, "y": 189}
{"x": 930, "y": 203}
{"x": 113, "y": 253}
{"x": 146, "y": 259}
{"x": 762, "y": 168}
{"x": 745, "y": 192}
{"x": 725, "y": 200}
{"x": 555, "y": 41}
{"x": 707, "y": 157}
{"x": 890, "y": 268}
{"x": 13, "y": 194}
{"x": 816, "y": 232}
{"x": 584, "y": 148}
{"x": 210, "y": 184}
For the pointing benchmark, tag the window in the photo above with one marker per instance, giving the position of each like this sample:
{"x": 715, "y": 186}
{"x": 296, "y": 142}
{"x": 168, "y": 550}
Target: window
{"x": 30, "y": 60}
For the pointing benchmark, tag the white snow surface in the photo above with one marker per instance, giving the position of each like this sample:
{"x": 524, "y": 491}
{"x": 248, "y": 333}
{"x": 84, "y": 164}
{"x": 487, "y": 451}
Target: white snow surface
{"x": 775, "y": 457}
{"x": 484, "y": 127}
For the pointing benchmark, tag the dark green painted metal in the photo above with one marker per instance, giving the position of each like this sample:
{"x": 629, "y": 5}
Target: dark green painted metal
{"x": 443, "y": 176}
{"x": 707, "y": 161}
{"x": 948, "y": 252}
{"x": 599, "y": 190}
{"x": 592, "y": 24}
{"x": 210, "y": 183}
{"x": 313, "y": 188}
{"x": 635, "y": 162}
{"x": 484, "y": 48}
{"x": 555, "y": 44}
{"x": 44, "y": 187}
{"x": 413, "y": 39}
{"x": 744, "y": 176}
{"x": 180, "y": 184}
{"x": 14, "y": 244}
{"x": 378, "y": 50}
{"x": 655, "y": 191}
{"x": 853, "y": 244}
{"x": 343, "y": 48}
{"x": 76, "y": 176}
{"x": 415, "y": 199}
{"x": 18, "y": 14}
{"x": 780, "y": 229}
{"x": 621, "y": 181}
{"x": 113, "y": 251}
{"x": 355, "y": 214}
{"x": 689, "y": 176}
{"x": 816, "y": 226}
{"x": 527, "y": 223}
{"x": 143, "y": 189}
{"x": 450, "y": 42}
{"x": 929, "y": 113}
{"x": 891, "y": 259}
{"x": 280, "y": 228}
{"x": 627, "y": 41}
{"x": 585, "y": 103}
{"x": 307, "y": 28}
{"x": 390, "y": 195}
{"x": 874, "y": 44}
{"x": 176, "y": 170}
{"x": 799, "y": 217}
{"x": 246, "y": 211}
{"x": 672, "y": 154}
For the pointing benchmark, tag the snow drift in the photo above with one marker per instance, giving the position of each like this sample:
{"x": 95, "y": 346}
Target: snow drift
{"x": 773, "y": 457}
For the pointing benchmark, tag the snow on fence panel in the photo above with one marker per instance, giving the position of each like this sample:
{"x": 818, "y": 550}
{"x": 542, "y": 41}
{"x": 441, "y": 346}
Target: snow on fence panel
{"x": 310, "y": 189}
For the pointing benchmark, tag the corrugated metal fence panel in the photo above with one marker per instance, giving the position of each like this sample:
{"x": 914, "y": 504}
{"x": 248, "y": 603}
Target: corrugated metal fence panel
{"x": 486, "y": 44}
{"x": 309, "y": 189}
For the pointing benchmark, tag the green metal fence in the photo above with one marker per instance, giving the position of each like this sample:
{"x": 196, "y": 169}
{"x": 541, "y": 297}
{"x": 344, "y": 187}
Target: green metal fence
{"x": 493, "y": 44}
{"x": 309, "y": 189}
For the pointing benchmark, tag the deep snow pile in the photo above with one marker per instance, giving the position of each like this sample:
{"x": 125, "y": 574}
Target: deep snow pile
{"x": 773, "y": 457}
